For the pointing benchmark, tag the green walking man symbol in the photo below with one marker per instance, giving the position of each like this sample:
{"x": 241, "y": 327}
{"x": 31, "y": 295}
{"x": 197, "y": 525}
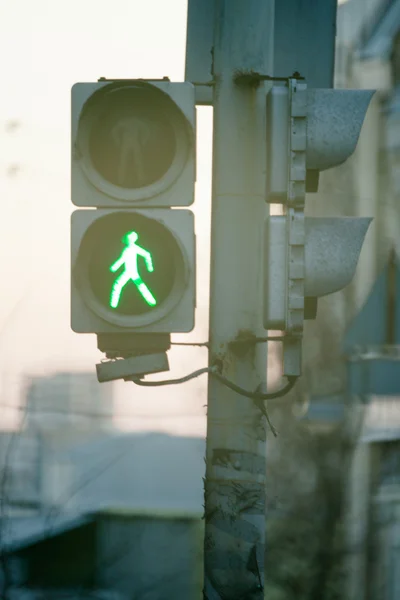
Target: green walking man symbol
{"x": 129, "y": 258}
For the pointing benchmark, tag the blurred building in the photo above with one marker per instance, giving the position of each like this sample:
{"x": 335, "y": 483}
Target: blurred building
{"x": 58, "y": 412}
{"x": 359, "y": 368}
{"x": 20, "y": 466}
{"x": 119, "y": 515}
{"x": 372, "y": 340}
{"x": 68, "y": 400}
{"x": 104, "y": 556}
{"x": 136, "y": 471}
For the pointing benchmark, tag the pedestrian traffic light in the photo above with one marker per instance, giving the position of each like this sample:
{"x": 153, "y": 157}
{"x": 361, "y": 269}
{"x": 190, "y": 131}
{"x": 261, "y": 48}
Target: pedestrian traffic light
{"x": 307, "y": 257}
{"x": 133, "y": 270}
{"x": 133, "y": 158}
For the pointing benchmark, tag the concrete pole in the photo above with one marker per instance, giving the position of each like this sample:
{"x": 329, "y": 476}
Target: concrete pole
{"x": 236, "y": 430}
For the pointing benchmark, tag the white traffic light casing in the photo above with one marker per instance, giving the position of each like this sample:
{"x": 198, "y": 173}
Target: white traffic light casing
{"x": 133, "y": 143}
{"x": 332, "y": 249}
{"x": 334, "y": 121}
{"x": 133, "y": 264}
{"x": 307, "y": 131}
{"x": 132, "y": 271}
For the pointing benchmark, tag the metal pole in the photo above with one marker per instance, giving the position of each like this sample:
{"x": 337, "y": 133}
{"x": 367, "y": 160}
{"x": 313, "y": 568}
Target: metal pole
{"x": 236, "y": 431}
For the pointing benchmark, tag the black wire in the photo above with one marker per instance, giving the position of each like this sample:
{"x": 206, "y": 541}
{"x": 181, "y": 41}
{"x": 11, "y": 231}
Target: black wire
{"x": 206, "y": 344}
{"x": 271, "y": 338}
{"x": 256, "y": 340}
{"x": 212, "y": 371}
{"x": 173, "y": 381}
{"x": 257, "y": 395}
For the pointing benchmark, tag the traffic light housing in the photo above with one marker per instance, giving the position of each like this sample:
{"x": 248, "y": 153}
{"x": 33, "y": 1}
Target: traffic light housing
{"x": 332, "y": 248}
{"x": 308, "y": 131}
{"x": 133, "y": 144}
{"x": 333, "y": 121}
{"x": 133, "y": 271}
{"x": 133, "y": 265}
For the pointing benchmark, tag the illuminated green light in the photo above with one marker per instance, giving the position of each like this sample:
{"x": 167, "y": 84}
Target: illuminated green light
{"x": 129, "y": 259}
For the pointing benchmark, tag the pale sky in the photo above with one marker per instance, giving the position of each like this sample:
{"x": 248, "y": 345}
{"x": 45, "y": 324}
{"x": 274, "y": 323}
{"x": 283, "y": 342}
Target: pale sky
{"x": 47, "y": 46}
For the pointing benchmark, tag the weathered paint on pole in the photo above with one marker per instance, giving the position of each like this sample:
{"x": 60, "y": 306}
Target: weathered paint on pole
{"x": 199, "y": 48}
{"x": 304, "y": 40}
{"x": 236, "y": 430}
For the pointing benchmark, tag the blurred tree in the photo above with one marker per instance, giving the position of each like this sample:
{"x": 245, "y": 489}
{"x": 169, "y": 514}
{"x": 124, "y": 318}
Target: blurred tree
{"x": 307, "y": 478}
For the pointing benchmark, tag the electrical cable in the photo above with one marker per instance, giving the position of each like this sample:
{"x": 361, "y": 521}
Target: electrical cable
{"x": 173, "y": 381}
{"x": 205, "y": 344}
{"x": 214, "y": 372}
{"x": 256, "y": 340}
{"x": 257, "y": 397}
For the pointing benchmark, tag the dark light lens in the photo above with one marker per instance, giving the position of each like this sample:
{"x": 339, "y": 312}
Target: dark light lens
{"x": 130, "y": 262}
{"x": 132, "y": 141}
